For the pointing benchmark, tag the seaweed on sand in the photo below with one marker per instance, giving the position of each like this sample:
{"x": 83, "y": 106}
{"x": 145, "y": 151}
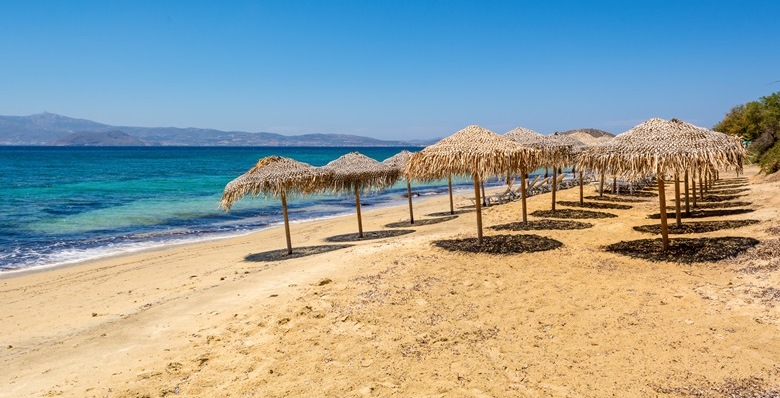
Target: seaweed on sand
{"x": 615, "y": 199}
{"x": 684, "y": 250}
{"x": 298, "y": 252}
{"x": 417, "y": 223}
{"x": 370, "y": 235}
{"x": 594, "y": 205}
{"x": 697, "y": 227}
{"x": 714, "y": 205}
{"x": 704, "y": 213}
{"x": 446, "y": 213}
{"x": 572, "y": 213}
{"x": 537, "y": 225}
{"x": 500, "y": 244}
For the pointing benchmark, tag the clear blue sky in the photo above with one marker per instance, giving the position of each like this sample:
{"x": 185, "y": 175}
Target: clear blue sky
{"x": 387, "y": 69}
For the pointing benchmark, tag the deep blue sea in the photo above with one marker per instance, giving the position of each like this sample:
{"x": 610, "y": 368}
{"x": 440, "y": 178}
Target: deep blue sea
{"x": 66, "y": 204}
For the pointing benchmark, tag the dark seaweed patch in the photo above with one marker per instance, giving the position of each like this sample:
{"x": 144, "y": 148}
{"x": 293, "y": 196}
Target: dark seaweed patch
{"x": 712, "y": 205}
{"x": 615, "y": 199}
{"x": 298, "y": 252}
{"x": 369, "y": 235}
{"x": 704, "y": 213}
{"x": 719, "y": 198}
{"x": 572, "y": 213}
{"x": 684, "y": 250}
{"x": 500, "y": 244}
{"x": 537, "y": 225}
{"x": 594, "y": 205}
{"x": 447, "y": 213}
{"x": 417, "y": 223}
{"x": 697, "y": 227}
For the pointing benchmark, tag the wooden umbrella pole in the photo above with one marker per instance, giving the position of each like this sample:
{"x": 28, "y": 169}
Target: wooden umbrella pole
{"x": 662, "y": 201}
{"x": 449, "y": 183}
{"x": 614, "y": 185}
{"x": 286, "y": 222}
{"x": 357, "y": 206}
{"x": 601, "y": 186}
{"x": 678, "y": 216}
{"x": 409, "y": 194}
{"x": 701, "y": 185}
{"x": 581, "y": 188}
{"x": 693, "y": 185}
{"x": 687, "y": 201}
{"x": 484, "y": 198}
{"x": 523, "y": 195}
{"x": 554, "y": 186}
{"x": 478, "y": 202}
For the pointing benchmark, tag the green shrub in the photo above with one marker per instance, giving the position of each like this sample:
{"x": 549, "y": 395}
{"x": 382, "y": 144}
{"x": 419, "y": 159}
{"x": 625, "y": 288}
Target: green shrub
{"x": 770, "y": 160}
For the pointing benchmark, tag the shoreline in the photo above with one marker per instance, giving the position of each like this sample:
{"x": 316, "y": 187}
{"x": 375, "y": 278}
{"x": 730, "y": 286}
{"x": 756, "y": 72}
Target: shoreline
{"x": 96, "y": 254}
{"x": 394, "y": 316}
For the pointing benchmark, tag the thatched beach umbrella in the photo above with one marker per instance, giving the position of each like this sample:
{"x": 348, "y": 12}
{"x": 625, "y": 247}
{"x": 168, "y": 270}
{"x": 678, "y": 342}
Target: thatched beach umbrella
{"x": 355, "y": 173}
{"x": 473, "y": 150}
{"x": 659, "y": 146}
{"x": 398, "y": 162}
{"x": 574, "y": 147}
{"x": 274, "y": 176}
{"x": 550, "y": 153}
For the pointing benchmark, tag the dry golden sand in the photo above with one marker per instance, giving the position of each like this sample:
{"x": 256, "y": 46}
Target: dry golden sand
{"x": 399, "y": 316}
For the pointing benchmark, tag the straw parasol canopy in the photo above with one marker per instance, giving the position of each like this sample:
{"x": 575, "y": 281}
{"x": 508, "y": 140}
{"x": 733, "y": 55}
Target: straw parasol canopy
{"x": 398, "y": 162}
{"x": 551, "y": 153}
{"x": 574, "y": 147}
{"x": 274, "y": 176}
{"x": 660, "y": 146}
{"x": 355, "y": 172}
{"x": 473, "y": 150}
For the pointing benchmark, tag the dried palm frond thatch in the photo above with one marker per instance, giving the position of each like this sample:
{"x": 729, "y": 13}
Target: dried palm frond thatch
{"x": 662, "y": 147}
{"x": 552, "y": 153}
{"x": 577, "y": 146}
{"x": 473, "y": 150}
{"x": 670, "y": 146}
{"x": 274, "y": 176}
{"x": 355, "y": 172}
{"x": 398, "y": 161}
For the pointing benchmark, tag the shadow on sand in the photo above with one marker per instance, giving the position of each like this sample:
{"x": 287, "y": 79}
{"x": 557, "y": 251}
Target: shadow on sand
{"x": 684, "y": 250}
{"x": 541, "y": 225}
{"x": 298, "y": 252}
{"x": 500, "y": 244}
{"x": 697, "y": 227}
{"x": 703, "y": 213}
{"x": 595, "y": 205}
{"x": 417, "y": 223}
{"x": 369, "y": 235}
{"x": 572, "y": 213}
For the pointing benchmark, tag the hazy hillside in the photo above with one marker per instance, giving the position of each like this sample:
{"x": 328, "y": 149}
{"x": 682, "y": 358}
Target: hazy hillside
{"x": 51, "y": 129}
{"x": 590, "y": 136}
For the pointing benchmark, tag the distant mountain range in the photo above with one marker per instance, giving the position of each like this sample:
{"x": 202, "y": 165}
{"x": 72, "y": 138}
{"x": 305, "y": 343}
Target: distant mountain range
{"x": 51, "y": 129}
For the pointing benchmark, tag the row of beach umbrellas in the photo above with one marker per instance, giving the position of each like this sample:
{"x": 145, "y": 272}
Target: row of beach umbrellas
{"x": 656, "y": 147}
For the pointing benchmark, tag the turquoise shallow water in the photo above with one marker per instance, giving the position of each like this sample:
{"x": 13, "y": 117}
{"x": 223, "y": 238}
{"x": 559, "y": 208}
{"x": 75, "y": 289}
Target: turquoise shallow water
{"x": 67, "y": 204}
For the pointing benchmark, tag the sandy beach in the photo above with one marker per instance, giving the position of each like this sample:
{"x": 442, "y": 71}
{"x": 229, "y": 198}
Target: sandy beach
{"x": 401, "y": 317}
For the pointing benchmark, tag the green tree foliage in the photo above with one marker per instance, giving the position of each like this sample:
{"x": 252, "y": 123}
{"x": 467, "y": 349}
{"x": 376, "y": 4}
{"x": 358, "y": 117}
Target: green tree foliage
{"x": 757, "y": 122}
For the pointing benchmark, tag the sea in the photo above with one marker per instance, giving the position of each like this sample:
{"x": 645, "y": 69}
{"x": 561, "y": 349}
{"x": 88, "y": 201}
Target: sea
{"x": 61, "y": 205}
